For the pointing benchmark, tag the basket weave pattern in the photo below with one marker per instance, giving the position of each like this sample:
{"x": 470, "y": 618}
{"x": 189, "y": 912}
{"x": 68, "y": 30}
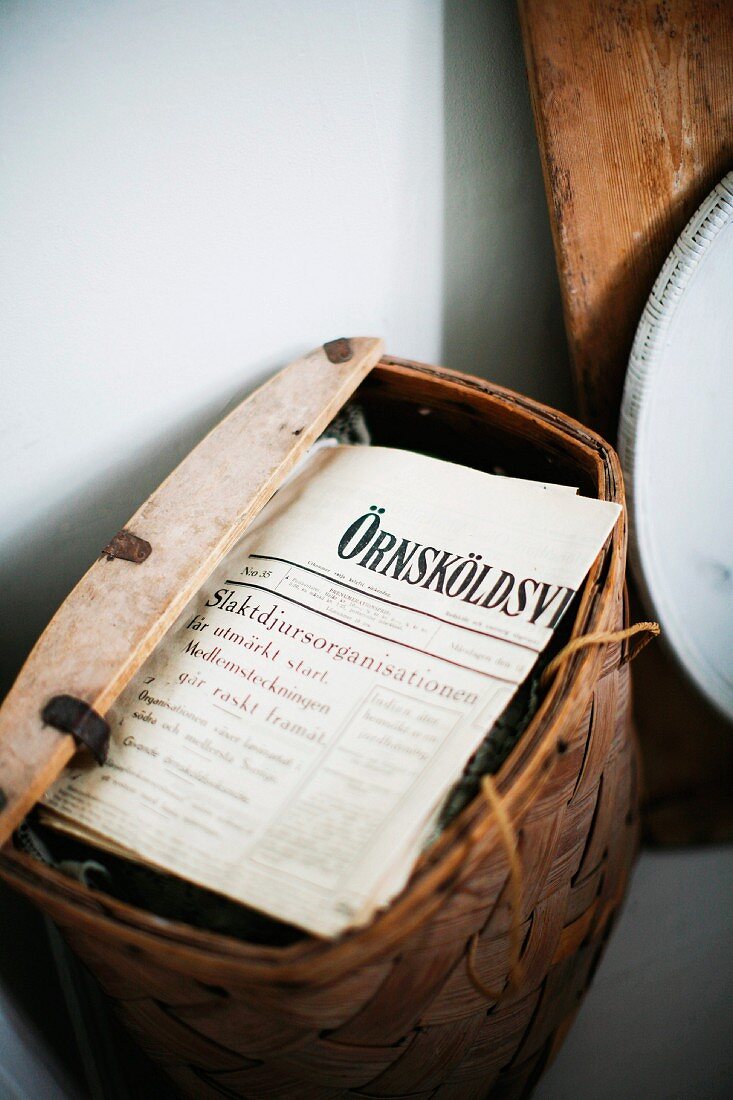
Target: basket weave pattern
{"x": 400, "y": 1009}
{"x": 413, "y": 1024}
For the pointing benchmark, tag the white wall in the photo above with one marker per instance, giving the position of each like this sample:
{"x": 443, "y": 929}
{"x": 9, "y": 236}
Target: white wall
{"x": 195, "y": 192}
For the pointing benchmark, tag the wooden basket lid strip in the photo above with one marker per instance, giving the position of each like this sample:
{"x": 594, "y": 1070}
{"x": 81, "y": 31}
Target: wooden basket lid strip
{"x": 125, "y": 603}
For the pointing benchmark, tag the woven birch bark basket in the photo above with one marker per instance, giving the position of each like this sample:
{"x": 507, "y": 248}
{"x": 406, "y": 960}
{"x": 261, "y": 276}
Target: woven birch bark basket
{"x": 429, "y": 1000}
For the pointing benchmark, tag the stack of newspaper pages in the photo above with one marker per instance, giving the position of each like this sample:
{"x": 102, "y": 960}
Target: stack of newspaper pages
{"x": 292, "y": 738}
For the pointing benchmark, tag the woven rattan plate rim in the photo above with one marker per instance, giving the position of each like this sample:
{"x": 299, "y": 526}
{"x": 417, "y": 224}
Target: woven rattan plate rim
{"x": 658, "y": 417}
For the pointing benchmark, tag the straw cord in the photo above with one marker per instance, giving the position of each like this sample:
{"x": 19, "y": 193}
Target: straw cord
{"x": 507, "y": 831}
{"x": 603, "y": 637}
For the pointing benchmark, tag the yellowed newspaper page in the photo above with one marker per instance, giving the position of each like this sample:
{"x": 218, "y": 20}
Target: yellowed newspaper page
{"x": 291, "y": 736}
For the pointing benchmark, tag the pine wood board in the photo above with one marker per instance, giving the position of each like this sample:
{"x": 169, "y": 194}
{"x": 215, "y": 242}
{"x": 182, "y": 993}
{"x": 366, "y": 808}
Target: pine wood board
{"x": 633, "y": 106}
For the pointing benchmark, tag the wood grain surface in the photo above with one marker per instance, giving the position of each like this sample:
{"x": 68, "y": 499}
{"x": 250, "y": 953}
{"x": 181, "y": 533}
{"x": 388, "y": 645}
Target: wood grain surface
{"x": 633, "y": 105}
{"x": 120, "y": 609}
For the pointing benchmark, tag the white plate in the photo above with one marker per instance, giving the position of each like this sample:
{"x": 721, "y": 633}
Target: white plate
{"x": 676, "y": 447}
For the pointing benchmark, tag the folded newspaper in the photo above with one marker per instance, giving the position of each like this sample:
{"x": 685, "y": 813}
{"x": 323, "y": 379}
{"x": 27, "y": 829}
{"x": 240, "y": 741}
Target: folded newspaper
{"x": 291, "y": 740}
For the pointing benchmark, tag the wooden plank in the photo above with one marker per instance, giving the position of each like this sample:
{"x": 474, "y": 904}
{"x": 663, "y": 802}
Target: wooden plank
{"x": 633, "y": 105}
{"x": 120, "y": 609}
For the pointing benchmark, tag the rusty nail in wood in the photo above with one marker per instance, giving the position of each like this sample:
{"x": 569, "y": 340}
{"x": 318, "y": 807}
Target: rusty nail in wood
{"x": 339, "y": 351}
{"x": 127, "y": 546}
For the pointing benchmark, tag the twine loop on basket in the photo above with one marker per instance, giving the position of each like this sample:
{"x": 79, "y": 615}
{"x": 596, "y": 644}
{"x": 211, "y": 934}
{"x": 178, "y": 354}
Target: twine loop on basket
{"x": 507, "y": 832}
{"x": 602, "y": 637}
